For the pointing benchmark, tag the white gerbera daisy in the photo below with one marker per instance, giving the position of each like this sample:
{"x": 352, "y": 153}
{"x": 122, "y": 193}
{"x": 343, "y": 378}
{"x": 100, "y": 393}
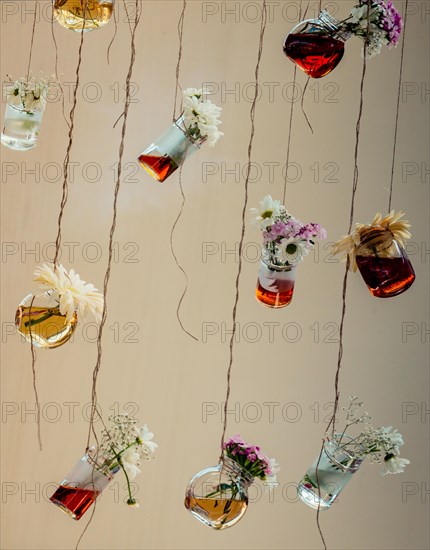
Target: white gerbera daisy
{"x": 291, "y": 251}
{"x": 74, "y": 294}
{"x": 268, "y": 209}
{"x": 394, "y": 465}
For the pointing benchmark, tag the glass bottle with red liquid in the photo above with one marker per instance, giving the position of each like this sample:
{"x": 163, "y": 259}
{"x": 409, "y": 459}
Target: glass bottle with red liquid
{"x": 275, "y": 285}
{"x": 81, "y": 487}
{"x": 317, "y": 45}
{"x": 383, "y": 263}
{"x": 169, "y": 151}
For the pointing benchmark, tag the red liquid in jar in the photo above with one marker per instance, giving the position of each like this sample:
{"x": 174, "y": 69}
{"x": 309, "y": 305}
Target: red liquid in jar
{"x": 73, "y": 500}
{"x": 386, "y": 277}
{"x": 158, "y": 167}
{"x": 316, "y": 54}
{"x": 280, "y": 295}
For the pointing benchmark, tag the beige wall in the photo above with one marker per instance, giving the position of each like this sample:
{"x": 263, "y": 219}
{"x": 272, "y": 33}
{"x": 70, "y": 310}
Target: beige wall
{"x": 171, "y": 378}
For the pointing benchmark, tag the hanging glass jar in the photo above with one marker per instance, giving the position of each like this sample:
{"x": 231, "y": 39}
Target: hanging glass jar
{"x": 218, "y": 496}
{"x": 383, "y": 263}
{"x": 40, "y": 314}
{"x": 70, "y": 13}
{"x": 340, "y": 459}
{"x": 21, "y": 127}
{"x": 84, "y": 483}
{"x": 317, "y": 45}
{"x": 275, "y": 285}
{"x": 169, "y": 152}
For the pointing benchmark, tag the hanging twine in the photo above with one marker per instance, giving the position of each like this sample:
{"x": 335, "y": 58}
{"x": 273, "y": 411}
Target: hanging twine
{"x": 69, "y": 146}
{"x": 175, "y": 116}
{"x": 405, "y": 17}
{"x": 36, "y": 7}
{"x": 91, "y": 430}
{"x": 244, "y": 210}
{"x": 332, "y": 423}
{"x": 33, "y": 369}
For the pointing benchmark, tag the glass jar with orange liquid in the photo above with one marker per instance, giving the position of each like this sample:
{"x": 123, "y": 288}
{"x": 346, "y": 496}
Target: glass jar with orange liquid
{"x": 39, "y": 319}
{"x": 71, "y": 14}
{"x": 218, "y": 496}
{"x": 275, "y": 285}
{"x": 82, "y": 485}
{"x": 383, "y": 263}
{"x": 317, "y": 45}
{"x": 169, "y": 151}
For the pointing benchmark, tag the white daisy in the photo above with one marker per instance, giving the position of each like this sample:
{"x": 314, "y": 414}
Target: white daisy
{"x": 291, "y": 251}
{"x": 394, "y": 465}
{"x": 268, "y": 209}
{"x": 146, "y": 436}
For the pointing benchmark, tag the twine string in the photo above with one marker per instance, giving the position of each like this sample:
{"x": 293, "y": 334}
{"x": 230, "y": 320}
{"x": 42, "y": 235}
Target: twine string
{"x": 178, "y": 63}
{"x": 96, "y": 370}
{"x": 69, "y": 145}
{"x": 244, "y": 210}
{"x": 332, "y": 422}
{"x": 33, "y": 369}
{"x": 36, "y": 7}
{"x": 405, "y": 17}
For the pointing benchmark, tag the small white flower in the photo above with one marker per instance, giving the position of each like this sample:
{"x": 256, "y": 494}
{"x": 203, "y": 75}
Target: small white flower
{"x": 394, "y": 465}
{"x": 133, "y": 503}
{"x": 74, "y": 294}
{"x": 394, "y": 437}
{"x": 268, "y": 209}
{"x": 146, "y": 437}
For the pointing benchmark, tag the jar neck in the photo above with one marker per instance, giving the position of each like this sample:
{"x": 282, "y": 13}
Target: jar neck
{"x": 375, "y": 239}
{"x": 197, "y": 141}
{"x": 270, "y": 260}
{"x": 235, "y": 470}
{"x": 344, "y": 452}
{"x": 334, "y": 27}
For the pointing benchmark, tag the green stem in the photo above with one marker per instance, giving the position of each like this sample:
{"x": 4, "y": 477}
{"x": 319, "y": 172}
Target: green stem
{"x": 33, "y": 322}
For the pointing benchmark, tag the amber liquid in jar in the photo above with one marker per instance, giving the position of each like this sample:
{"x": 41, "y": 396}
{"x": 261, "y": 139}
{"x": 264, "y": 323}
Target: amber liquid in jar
{"x": 159, "y": 168}
{"x": 70, "y": 13}
{"x": 74, "y": 501}
{"x": 218, "y": 511}
{"x": 49, "y": 328}
{"x": 316, "y": 54}
{"x": 386, "y": 277}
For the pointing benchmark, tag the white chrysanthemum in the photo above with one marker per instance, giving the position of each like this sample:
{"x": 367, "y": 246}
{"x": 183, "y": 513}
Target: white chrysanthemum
{"x": 291, "y": 252}
{"x": 202, "y": 115}
{"x": 267, "y": 210}
{"x": 393, "y": 436}
{"x": 74, "y": 294}
{"x": 395, "y": 465}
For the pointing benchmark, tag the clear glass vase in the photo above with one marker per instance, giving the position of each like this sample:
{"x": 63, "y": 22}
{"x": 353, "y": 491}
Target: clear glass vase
{"x": 340, "y": 459}
{"x": 21, "y": 129}
{"x": 169, "y": 152}
{"x": 41, "y": 315}
{"x": 384, "y": 264}
{"x": 82, "y": 485}
{"x": 218, "y": 496}
{"x": 70, "y": 13}
{"x": 317, "y": 45}
{"x": 275, "y": 285}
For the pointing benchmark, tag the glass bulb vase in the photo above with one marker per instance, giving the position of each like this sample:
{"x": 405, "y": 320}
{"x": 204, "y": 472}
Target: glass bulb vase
{"x": 40, "y": 315}
{"x": 317, "y": 45}
{"x": 340, "y": 459}
{"x": 21, "y": 128}
{"x": 70, "y": 13}
{"x": 168, "y": 153}
{"x": 82, "y": 485}
{"x": 384, "y": 264}
{"x": 218, "y": 496}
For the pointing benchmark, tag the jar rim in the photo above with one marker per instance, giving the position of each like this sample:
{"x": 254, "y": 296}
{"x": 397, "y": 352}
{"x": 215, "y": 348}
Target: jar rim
{"x": 179, "y": 123}
{"x": 231, "y": 464}
{"x": 335, "y": 440}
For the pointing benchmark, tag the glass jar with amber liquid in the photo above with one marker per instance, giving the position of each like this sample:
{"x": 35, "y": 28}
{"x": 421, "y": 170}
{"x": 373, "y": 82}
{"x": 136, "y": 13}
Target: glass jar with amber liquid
{"x": 39, "y": 319}
{"x": 383, "y": 263}
{"x": 218, "y": 496}
{"x": 275, "y": 284}
{"x": 71, "y": 14}
{"x": 317, "y": 45}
